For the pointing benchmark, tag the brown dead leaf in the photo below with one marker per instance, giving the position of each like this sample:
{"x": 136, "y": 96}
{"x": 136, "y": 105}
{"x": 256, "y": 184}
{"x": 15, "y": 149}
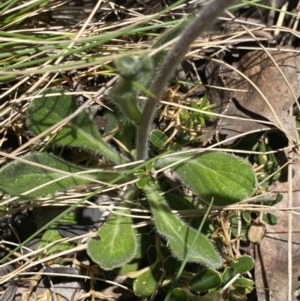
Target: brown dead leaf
{"x": 218, "y": 94}
{"x": 262, "y": 71}
{"x": 232, "y": 127}
{"x": 271, "y": 262}
{"x": 256, "y": 231}
{"x": 223, "y": 99}
{"x": 278, "y": 84}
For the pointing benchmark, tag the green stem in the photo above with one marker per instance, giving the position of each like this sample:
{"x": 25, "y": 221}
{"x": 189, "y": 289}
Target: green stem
{"x": 205, "y": 18}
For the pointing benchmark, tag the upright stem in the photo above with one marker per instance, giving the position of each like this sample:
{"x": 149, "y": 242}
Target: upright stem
{"x": 206, "y": 17}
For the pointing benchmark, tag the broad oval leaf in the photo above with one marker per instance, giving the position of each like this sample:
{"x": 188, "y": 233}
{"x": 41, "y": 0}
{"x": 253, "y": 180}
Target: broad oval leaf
{"x": 116, "y": 245}
{"x": 158, "y": 138}
{"x": 228, "y": 274}
{"x": 79, "y": 132}
{"x": 48, "y": 239}
{"x": 179, "y": 235}
{"x": 243, "y": 264}
{"x": 243, "y": 281}
{"x": 243, "y": 285}
{"x": 270, "y": 218}
{"x": 205, "y": 280}
{"x": 247, "y": 217}
{"x": 19, "y": 178}
{"x": 141, "y": 183}
{"x": 217, "y": 176}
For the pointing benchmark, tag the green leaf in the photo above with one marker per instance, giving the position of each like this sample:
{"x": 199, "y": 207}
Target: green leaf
{"x": 205, "y": 280}
{"x": 151, "y": 181}
{"x": 145, "y": 285}
{"x": 243, "y": 264}
{"x": 228, "y": 274}
{"x": 178, "y": 202}
{"x": 80, "y": 132}
{"x": 143, "y": 242}
{"x": 158, "y": 138}
{"x": 51, "y": 236}
{"x": 178, "y": 295}
{"x": 270, "y": 218}
{"x": 18, "y": 177}
{"x": 178, "y": 234}
{"x": 117, "y": 244}
{"x": 141, "y": 183}
{"x": 243, "y": 282}
{"x": 239, "y": 227}
{"x": 113, "y": 119}
{"x": 135, "y": 75}
{"x": 223, "y": 178}
{"x": 243, "y": 285}
{"x": 247, "y": 217}
{"x": 149, "y": 166}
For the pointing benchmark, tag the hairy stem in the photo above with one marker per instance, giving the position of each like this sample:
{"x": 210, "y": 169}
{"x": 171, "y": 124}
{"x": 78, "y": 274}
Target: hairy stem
{"x": 206, "y": 17}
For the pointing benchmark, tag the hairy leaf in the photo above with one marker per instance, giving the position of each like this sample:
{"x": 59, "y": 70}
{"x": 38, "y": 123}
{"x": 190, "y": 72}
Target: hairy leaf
{"x": 19, "y": 177}
{"x": 217, "y": 176}
{"x": 179, "y": 235}
{"x": 117, "y": 244}
{"x": 80, "y": 132}
{"x": 205, "y": 280}
{"x": 135, "y": 74}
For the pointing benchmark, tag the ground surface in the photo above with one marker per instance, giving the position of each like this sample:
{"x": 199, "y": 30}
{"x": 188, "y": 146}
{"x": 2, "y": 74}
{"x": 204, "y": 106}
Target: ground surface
{"x": 256, "y": 46}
